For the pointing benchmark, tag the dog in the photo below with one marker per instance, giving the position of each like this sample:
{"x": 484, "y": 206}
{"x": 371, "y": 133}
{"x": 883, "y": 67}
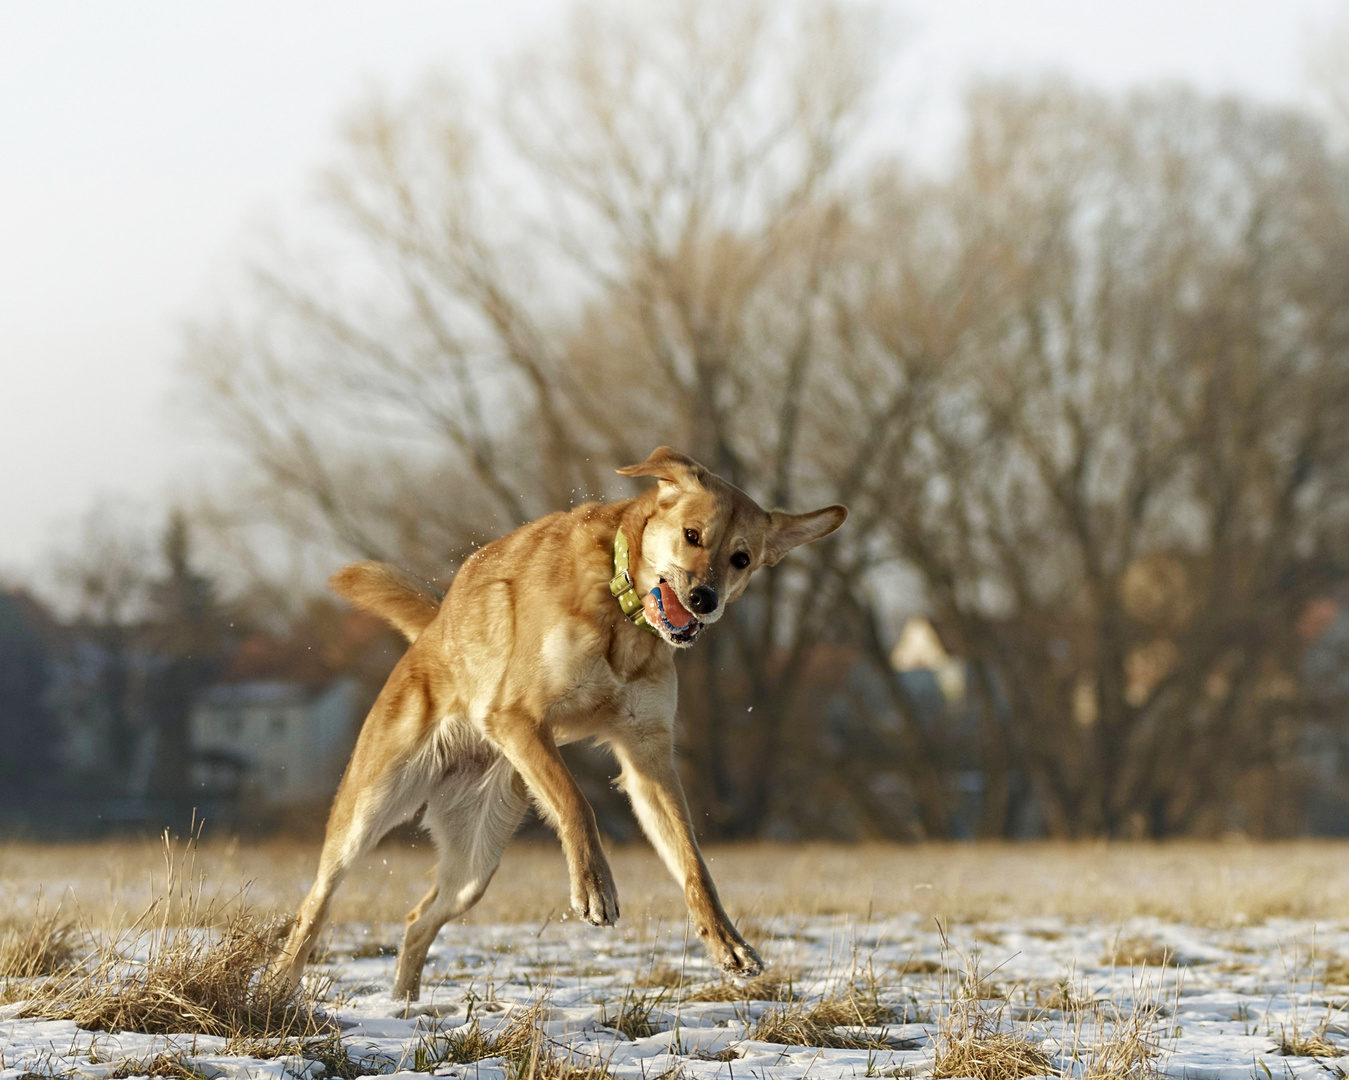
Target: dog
{"x": 565, "y": 629}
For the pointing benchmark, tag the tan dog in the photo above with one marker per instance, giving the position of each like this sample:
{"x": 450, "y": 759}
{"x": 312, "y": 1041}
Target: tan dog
{"x": 531, "y": 649}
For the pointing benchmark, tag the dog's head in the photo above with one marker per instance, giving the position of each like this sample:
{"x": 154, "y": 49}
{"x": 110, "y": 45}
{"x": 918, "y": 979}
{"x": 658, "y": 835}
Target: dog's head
{"x": 705, "y": 540}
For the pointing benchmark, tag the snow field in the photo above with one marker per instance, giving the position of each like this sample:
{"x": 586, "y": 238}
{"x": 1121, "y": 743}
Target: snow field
{"x": 1261, "y": 1002}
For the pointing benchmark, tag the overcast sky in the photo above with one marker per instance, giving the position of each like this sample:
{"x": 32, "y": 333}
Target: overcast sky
{"x": 138, "y": 140}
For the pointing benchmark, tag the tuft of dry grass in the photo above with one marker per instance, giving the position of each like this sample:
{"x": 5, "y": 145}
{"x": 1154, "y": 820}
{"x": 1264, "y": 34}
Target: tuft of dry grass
{"x": 187, "y": 964}
{"x": 169, "y": 980}
{"x": 761, "y": 988}
{"x": 1112, "y": 1045}
{"x": 527, "y": 1052}
{"x": 468, "y": 1043}
{"x": 1314, "y": 1044}
{"x": 1062, "y": 997}
{"x": 659, "y": 975}
{"x": 634, "y": 1014}
{"x": 1295, "y": 1038}
{"x": 42, "y": 946}
{"x": 566, "y": 1066}
{"x": 853, "y": 1010}
{"x": 166, "y": 1065}
{"x": 975, "y": 1035}
{"x": 794, "y": 1027}
{"x": 1138, "y": 952}
{"x": 917, "y": 967}
{"x": 1336, "y": 971}
{"x": 327, "y": 1049}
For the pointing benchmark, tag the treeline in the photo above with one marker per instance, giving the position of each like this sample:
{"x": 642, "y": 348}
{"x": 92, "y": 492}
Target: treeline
{"x": 1085, "y": 392}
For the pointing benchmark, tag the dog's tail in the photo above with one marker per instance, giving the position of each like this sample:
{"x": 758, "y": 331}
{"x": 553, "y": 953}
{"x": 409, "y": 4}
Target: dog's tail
{"x": 384, "y": 590}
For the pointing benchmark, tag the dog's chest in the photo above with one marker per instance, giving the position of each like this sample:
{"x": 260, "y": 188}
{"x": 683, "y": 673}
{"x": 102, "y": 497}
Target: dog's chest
{"x": 582, "y": 687}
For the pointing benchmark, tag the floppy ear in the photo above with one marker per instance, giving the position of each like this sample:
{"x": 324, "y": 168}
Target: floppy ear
{"x": 668, "y": 466}
{"x": 787, "y": 531}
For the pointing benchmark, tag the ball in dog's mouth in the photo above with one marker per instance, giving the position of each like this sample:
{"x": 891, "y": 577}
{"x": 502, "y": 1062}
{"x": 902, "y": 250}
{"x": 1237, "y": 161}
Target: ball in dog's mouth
{"x": 664, "y": 611}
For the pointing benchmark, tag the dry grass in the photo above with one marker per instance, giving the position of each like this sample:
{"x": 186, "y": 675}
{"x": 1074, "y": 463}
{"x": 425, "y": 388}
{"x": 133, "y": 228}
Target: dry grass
{"x": 794, "y": 1026}
{"x": 1307, "y": 1044}
{"x": 169, "y": 1065}
{"x": 989, "y": 1054}
{"x": 766, "y": 987}
{"x": 1336, "y": 971}
{"x": 1062, "y": 997}
{"x": 1113, "y": 1045}
{"x": 1228, "y": 884}
{"x": 43, "y": 945}
{"x": 527, "y": 1052}
{"x": 917, "y": 967}
{"x": 186, "y": 964}
{"x": 167, "y": 980}
{"x": 1134, "y": 952}
{"x": 975, "y": 1036}
{"x": 635, "y": 1011}
{"x": 1295, "y": 1038}
{"x": 659, "y": 975}
{"x": 328, "y": 1050}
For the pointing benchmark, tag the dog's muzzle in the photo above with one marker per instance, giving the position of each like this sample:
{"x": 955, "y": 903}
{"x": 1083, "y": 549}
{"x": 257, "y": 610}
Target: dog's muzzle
{"x": 664, "y": 611}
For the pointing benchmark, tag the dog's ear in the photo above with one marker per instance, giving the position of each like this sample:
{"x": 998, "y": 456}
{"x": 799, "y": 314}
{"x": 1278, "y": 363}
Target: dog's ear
{"x": 668, "y": 466}
{"x": 787, "y": 531}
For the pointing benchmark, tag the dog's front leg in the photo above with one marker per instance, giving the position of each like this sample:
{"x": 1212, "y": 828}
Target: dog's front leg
{"x": 530, "y": 747}
{"x": 652, "y": 783}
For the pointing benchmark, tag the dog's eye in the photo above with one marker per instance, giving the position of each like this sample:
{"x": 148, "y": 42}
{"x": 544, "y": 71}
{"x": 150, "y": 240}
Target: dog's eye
{"x": 740, "y": 560}
{"x": 691, "y": 535}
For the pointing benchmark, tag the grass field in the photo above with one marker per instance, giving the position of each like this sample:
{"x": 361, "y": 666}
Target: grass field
{"x": 1230, "y": 883}
{"x": 997, "y": 962}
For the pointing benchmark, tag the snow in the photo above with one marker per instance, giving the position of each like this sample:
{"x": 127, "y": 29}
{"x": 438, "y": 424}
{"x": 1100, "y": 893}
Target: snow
{"x": 1226, "y": 1004}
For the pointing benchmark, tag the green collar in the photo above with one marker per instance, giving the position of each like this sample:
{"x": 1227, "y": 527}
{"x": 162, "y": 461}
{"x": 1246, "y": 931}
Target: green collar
{"x": 622, "y": 588}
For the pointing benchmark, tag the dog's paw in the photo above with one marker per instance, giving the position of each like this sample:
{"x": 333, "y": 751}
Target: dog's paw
{"x": 594, "y": 897}
{"x": 732, "y": 953}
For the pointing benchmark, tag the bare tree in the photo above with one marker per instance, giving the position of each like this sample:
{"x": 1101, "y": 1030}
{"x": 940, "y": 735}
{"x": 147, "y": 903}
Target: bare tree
{"x": 1083, "y": 390}
{"x": 1132, "y": 474}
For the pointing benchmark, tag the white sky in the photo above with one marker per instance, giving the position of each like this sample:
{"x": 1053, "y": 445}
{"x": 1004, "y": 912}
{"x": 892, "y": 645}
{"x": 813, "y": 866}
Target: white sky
{"x": 139, "y": 139}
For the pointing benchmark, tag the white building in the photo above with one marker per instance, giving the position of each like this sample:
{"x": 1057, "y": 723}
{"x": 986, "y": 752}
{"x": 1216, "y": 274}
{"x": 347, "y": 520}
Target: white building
{"x": 273, "y": 745}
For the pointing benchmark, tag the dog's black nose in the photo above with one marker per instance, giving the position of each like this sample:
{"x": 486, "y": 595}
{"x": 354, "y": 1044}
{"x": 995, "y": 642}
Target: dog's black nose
{"x": 702, "y": 600}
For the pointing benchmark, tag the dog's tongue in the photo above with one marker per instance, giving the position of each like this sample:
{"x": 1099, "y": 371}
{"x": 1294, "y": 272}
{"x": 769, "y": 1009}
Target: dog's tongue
{"x": 675, "y": 612}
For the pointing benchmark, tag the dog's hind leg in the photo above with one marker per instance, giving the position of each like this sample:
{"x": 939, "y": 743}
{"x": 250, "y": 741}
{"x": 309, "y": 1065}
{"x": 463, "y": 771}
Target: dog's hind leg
{"x": 471, "y": 819}
{"x": 385, "y": 784}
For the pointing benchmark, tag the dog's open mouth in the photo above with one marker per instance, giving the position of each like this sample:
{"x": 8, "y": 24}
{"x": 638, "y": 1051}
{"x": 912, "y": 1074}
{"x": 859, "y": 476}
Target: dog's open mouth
{"x": 664, "y": 611}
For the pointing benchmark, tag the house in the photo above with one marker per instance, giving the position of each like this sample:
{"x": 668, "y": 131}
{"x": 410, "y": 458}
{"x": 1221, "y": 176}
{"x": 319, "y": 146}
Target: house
{"x": 29, "y": 737}
{"x": 269, "y": 745}
{"x": 270, "y": 738}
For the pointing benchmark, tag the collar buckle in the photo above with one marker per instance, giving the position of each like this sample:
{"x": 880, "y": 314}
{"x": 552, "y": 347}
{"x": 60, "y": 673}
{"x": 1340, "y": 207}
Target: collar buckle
{"x": 622, "y": 588}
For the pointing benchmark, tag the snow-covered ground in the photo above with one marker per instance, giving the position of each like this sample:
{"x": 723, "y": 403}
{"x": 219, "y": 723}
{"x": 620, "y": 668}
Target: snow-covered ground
{"x": 1231, "y": 999}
